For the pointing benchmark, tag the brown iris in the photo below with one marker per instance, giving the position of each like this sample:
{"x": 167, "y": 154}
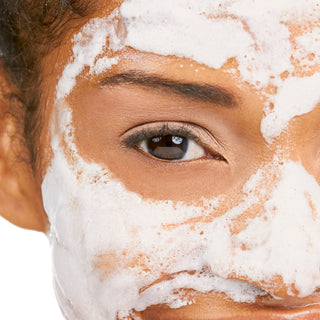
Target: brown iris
{"x": 168, "y": 147}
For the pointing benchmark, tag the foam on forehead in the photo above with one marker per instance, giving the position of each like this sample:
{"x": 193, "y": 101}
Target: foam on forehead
{"x": 88, "y": 44}
{"x": 254, "y": 33}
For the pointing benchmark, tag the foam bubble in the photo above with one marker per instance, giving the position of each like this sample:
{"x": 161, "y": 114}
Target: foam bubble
{"x": 97, "y": 220}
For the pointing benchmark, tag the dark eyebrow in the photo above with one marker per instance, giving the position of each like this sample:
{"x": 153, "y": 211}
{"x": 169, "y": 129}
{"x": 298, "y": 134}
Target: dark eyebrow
{"x": 197, "y": 91}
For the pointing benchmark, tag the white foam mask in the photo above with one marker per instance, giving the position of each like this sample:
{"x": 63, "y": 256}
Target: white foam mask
{"x": 108, "y": 242}
{"x": 95, "y": 220}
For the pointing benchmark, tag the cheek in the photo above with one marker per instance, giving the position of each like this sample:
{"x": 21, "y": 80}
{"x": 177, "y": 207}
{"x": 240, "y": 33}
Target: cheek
{"x": 91, "y": 211}
{"x": 106, "y": 239}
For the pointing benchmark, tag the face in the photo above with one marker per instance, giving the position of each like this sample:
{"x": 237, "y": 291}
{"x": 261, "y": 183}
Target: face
{"x": 179, "y": 161}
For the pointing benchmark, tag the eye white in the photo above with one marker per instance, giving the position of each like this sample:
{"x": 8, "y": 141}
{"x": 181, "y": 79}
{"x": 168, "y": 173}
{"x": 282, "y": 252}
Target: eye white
{"x": 194, "y": 150}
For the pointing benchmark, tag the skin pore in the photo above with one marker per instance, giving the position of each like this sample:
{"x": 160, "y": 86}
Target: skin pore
{"x": 93, "y": 130}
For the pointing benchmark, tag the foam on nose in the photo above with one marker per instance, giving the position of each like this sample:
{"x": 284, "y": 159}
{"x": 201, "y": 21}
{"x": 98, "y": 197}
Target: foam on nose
{"x": 282, "y": 242}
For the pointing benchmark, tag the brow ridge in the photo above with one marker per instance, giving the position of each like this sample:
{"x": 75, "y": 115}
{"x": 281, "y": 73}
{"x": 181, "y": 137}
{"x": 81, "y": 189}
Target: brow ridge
{"x": 198, "y": 91}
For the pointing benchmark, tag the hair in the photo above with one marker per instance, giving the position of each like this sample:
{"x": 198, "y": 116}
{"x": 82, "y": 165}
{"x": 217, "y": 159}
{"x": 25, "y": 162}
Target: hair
{"x": 28, "y": 30}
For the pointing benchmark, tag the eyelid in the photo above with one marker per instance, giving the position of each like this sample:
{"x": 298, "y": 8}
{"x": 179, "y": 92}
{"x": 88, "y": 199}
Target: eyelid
{"x": 132, "y": 137}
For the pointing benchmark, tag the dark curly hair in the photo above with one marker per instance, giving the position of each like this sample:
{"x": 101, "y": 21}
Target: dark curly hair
{"x": 28, "y": 30}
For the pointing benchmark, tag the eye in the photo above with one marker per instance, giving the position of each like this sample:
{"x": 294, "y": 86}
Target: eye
{"x": 172, "y": 142}
{"x": 171, "y": 147}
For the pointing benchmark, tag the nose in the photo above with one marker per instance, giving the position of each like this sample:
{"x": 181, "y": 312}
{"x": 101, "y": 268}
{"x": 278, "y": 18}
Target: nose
{"x": 272, "y": 238}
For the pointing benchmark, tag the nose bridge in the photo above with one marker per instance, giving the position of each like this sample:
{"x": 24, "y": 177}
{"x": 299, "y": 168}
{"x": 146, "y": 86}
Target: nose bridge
{"x": 278, "y": 246}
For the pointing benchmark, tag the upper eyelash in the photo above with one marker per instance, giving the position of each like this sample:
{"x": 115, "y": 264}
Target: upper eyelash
{"x": 146, "y": 133}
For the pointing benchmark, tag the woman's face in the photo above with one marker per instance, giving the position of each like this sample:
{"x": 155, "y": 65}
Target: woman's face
{"x": 180, "y": 160}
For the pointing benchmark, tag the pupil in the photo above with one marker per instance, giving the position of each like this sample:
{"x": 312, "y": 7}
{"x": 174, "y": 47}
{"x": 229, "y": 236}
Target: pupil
{"x": 168, "y": 147}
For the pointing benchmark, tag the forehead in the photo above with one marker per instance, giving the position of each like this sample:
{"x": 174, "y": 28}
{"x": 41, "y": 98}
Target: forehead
{"x": 267, "y": 40}
{"x": 256, "y": 43}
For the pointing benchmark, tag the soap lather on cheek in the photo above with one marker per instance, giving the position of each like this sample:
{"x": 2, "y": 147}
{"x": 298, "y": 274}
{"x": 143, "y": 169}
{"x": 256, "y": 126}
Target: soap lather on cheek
{"x": 91, "y": 219}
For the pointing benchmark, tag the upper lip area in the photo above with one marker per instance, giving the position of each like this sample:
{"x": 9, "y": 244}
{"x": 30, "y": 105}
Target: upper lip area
{"x": 305, "y": 313}
{"x": 218, "y": 306}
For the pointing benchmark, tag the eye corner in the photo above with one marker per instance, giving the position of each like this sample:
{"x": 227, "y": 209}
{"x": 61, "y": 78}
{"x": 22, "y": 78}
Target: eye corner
{"x": 216, "y": 157}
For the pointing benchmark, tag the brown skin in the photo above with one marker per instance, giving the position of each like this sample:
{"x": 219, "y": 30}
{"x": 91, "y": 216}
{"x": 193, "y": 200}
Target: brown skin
{"x": 100, "y": 128}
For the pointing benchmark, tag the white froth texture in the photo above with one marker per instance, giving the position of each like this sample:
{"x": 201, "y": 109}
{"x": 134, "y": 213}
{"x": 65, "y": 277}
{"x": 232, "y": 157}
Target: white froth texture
{"x": 88, "y": 44}
{"x": 96, "y": 221}
{"x": 99, "y": 229}
{"x": 180, "y": 28}
{"x": 282, "y": 241}
{"x": 211, "y": 32}
{"x": 168, "y": 291}
{"x": 296, "y": 97}
{"x": 254, "y": 33}
{"x": 92, "y": 217}
{"x": 310, "y": 42}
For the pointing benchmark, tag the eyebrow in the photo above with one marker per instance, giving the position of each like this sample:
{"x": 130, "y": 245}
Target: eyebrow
{"x": 197, "y": 91}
